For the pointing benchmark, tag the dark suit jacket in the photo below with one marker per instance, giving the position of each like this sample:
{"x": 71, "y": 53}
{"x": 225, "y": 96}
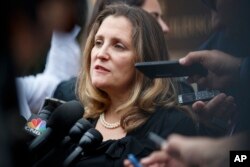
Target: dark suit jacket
{"x": 66, "y": 90}
{"x": 163, "y": 122}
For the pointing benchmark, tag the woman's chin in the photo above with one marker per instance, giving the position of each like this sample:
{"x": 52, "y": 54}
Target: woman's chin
{"x": 99, "y": 85}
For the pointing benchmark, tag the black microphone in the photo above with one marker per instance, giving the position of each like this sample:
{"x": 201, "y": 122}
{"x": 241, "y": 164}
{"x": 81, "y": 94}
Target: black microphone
{"x": 90, "y": 140}
{"x": 61, "y": 120}
{"x": 58, "y": 153}
{"x": 76, "y": 132}
{"x": 49, "y": 105}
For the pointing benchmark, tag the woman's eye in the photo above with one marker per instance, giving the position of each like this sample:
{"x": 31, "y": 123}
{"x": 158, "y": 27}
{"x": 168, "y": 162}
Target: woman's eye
{"x": 98, "y": 43}
{"x": 120, "y": 46}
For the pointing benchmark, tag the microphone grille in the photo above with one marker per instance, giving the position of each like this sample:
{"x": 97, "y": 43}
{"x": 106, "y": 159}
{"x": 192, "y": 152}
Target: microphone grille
{"x": 64, "y": 116}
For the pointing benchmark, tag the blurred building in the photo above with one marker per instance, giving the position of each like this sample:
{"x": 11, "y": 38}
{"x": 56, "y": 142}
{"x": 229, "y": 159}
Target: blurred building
{"x": 190, "y": 25}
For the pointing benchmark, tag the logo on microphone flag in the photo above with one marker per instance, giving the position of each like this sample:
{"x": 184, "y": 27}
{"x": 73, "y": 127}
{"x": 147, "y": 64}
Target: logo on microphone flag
{"x": 36, "y": 126}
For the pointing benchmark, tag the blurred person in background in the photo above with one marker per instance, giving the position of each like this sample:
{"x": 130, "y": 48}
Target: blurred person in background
{"x": 231, "y": 36}
{"x": 27, "y": 28}
{"x": 63, "y": 60}
{"x": 230, "y": 27}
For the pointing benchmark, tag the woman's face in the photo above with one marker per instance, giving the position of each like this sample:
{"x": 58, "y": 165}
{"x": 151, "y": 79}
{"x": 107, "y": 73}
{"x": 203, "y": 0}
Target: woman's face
{"x": 112, "y": 56}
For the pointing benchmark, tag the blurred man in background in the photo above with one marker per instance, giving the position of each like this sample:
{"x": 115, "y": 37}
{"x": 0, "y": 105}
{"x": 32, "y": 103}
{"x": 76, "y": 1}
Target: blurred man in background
{"x": 27, "y": 27}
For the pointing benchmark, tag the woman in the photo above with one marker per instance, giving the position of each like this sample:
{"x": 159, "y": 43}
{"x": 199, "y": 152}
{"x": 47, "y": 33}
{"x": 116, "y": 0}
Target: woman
{"x": 66, "y": 89}
{"x": 123, "y": 104}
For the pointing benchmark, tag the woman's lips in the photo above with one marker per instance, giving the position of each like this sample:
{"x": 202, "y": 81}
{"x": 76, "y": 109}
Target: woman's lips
{"x": 101, "y": 68}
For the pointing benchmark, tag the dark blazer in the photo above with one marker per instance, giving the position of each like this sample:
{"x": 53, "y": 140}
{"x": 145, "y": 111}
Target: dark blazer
{"x": 66, "y": 90}
{"x": 163, "y": 122}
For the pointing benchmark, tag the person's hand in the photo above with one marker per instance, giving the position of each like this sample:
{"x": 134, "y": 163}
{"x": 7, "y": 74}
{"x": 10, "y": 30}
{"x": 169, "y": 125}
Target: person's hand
{"x": 157, "y": 159}
{"x": 199, "y": 151}
{"x": 187, "y": 151}
{"x": 127, "y": 163}
{"x": 181, "y": 151}
{"x": 204, "y": 151}
{"x": 221, "y": 107}
{"x": 223, "y": 69}
{"x": 161, "y": 159}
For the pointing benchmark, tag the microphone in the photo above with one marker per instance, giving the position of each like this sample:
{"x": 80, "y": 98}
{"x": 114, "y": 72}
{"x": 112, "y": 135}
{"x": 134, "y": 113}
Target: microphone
{"x": 36, "y": 124}
{"x": 61, "y": 120}
{"x": 90, "y": 139}
{"x": 50, "y": 104}
{"x": 57, "y": 154}
{"x": 80, "y": 127}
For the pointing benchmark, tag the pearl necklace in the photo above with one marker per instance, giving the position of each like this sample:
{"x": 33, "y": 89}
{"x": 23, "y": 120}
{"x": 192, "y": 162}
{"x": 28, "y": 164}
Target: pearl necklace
{"x": 108, "y": 125}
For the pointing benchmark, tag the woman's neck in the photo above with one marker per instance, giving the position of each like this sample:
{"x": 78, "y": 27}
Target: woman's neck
{"x": 117, "y": 100}
{"x": 111, "y": 117}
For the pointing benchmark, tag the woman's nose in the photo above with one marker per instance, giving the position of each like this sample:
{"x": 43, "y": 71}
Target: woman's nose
{"x": 103, "y": 53}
